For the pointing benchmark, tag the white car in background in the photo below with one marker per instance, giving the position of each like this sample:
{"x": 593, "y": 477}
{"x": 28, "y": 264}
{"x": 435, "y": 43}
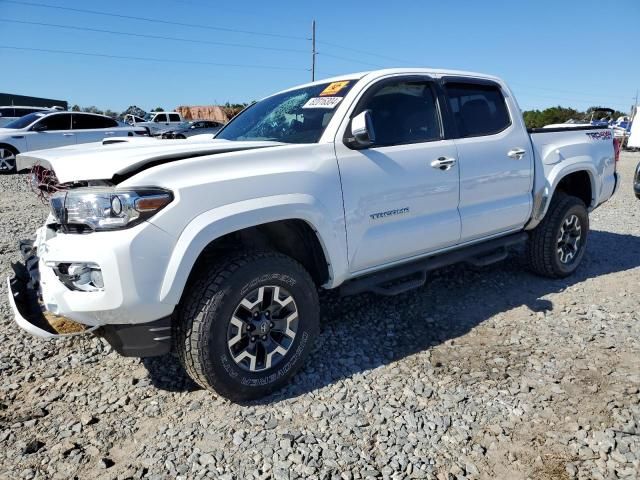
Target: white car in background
{"x": 50, "y": 129}
{"x": 160, "y": 122}
{"x": 10, "y": 113}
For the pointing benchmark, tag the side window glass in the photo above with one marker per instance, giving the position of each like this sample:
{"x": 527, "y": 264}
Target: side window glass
{"x": 477, "y": 109}
{"x": 161, "y": 117}
{"x": 174, "y": 117}
{"x": 60, "y": 121}
{"x": 109, "y": 123}
{"x": 403, "y": 112}
{"x": 6, "y": 112}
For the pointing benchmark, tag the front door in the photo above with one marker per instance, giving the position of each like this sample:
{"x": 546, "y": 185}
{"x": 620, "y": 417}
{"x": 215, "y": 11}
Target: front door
{"x": 495, "y": 158}
{"x": 400, "y": 194}
{"x": 50, "y": 132}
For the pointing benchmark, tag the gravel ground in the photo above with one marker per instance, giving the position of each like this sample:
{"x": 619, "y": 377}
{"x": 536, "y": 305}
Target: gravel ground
{"x": 482, "y": 373}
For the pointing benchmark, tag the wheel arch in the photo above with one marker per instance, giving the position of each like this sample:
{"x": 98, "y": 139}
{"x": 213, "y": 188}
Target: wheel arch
{"x": 298, "y": 228}
{"x": 578, "y": 180}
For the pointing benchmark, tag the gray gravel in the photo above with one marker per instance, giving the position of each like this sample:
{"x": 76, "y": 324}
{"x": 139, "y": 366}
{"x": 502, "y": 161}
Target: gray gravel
{"x": 482, "y": 373}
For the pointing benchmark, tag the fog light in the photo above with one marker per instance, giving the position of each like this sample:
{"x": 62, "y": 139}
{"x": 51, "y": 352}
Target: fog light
{"x": 84, "y": 277}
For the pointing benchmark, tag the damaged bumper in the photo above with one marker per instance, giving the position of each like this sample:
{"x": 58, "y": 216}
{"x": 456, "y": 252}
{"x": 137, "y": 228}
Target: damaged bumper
{"x": 24, "y": 299}
{"x": 46, "y": 304}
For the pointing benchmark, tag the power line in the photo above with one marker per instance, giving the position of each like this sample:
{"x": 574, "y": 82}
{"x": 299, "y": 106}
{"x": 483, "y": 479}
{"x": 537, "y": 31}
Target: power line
{"x": 567, "y": 91}
{"x": 153, "y": 20}
{"x": 157, "y": 37}
{"x": 150, "y": 59}
{"x": 364, "y": 52}
{"x": 346, "y": 59}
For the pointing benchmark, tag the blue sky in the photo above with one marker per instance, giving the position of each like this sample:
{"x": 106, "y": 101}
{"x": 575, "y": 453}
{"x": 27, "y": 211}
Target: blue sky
{"x": 571, "y": 52}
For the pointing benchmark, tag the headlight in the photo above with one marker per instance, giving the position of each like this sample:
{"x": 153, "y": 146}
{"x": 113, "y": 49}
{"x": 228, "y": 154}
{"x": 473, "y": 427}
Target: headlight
{"x": 102, "y": 209}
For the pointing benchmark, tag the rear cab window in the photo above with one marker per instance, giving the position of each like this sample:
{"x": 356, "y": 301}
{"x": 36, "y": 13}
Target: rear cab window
{"x": 174, "y": 117}
{"x": 478, "y": 109}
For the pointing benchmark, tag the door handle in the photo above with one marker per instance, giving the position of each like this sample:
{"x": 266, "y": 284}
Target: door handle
{"x": 517, "y": 153}
{"x": 443, "y": 163}
{"x": 68, "y": 134}
{"x": 109, "y": 133}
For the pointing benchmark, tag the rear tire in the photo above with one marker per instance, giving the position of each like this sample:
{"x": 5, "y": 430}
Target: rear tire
{"x": 233, "y": 334}
{"x": 556, "y": 246}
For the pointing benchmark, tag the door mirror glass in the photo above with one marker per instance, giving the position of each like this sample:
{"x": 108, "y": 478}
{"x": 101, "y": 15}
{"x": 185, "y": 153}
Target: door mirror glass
{"x": 39, "y": 127}
{"x": 362, "y": 132}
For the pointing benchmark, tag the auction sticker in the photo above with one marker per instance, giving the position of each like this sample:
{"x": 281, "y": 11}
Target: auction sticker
{"x": 322, "y": 102}
{"x": 333, "y": 88}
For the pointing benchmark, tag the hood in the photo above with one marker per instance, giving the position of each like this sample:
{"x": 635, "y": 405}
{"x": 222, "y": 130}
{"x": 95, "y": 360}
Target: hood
{"x": 8, "y": 131}
{"x": 124, "y": 156}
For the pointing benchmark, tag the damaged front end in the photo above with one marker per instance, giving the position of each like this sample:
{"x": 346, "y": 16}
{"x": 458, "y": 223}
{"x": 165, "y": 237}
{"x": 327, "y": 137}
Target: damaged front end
{"x": 27, "y": 304}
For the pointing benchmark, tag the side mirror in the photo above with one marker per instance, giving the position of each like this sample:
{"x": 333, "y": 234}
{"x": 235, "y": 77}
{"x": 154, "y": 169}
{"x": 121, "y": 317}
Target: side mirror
{"x": 39, "y": 127}
{"x": 362, "y": 132}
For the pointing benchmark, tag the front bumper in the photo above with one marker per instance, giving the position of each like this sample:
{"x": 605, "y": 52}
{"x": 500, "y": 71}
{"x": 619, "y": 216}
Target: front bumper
{"x": 126, "y": 312}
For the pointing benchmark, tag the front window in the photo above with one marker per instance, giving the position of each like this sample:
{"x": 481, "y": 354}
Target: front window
{"x": 25, "y": 121}
{"x": 296, "y": 116}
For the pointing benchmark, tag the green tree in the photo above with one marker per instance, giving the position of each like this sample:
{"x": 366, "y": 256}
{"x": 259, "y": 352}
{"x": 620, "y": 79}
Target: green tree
{"x": 92, "y": 109}
{"x": 75, "y": 108}
{"x": 158, "y": 109}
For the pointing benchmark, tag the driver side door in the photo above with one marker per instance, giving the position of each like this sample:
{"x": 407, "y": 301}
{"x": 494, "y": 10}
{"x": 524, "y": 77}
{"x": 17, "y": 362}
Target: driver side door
{"x": 399, "y": 199}
{"x": 50, "y": 132}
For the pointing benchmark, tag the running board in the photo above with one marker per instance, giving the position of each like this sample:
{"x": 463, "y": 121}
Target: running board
{"x": 400, "y": 279}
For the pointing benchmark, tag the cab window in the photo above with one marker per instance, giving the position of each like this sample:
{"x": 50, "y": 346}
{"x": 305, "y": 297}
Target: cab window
{"x": 478, "y": 109}
{"x": 403, "y": 112}
{"x": 161, "y": 117}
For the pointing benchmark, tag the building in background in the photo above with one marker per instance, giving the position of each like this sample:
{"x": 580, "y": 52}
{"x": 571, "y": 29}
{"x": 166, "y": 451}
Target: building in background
{"x": 203, "y": 112}
{"x": 9, "y": 99}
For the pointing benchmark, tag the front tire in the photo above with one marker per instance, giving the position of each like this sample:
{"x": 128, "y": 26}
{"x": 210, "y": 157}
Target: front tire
{"x": 7, "y": 159}
{"x": 245, "y": 324}
{"x": 556, "y": 246}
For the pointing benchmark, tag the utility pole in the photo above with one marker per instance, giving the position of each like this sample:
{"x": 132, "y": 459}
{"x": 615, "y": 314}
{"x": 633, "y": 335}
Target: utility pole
{"x": 313, "y": 51}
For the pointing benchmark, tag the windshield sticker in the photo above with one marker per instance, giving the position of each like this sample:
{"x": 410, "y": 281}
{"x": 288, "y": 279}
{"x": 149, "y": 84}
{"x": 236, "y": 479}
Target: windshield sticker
{"x": 333, "y": 88}
{"x": 322, "y": 102}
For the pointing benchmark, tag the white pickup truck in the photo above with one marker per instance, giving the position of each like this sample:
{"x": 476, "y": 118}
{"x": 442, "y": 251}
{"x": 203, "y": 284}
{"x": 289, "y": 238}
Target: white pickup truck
{"x": 157, "y": 122}
{"x": 366, "y": 182}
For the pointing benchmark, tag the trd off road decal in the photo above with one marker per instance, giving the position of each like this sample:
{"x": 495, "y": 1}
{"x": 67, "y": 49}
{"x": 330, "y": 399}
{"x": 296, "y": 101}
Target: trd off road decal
{"x": 604, "y": 135}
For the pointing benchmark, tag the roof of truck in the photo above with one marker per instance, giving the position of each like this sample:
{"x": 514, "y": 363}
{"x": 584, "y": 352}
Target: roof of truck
{"x": 395, "y": 71}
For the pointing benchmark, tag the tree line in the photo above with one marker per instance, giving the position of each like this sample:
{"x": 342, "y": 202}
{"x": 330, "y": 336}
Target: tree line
{"x": 230, "y": 109}
{"x": 540, "y": 118}
{"x": 532, "y": 118}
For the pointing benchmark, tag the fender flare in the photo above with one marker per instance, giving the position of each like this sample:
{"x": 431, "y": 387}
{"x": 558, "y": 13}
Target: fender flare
{"x": 543, "y": 196}
{"x": 215, "y": 223}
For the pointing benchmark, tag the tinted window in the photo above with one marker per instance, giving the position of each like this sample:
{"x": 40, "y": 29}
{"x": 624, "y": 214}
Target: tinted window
{"x": 161, "y": 117}
{"x": 174, "y": 117}
{"x": 83, "y": 122}
{"x": 477, "y": 109}
{"x": 402, "y": 112}
{"x": 60, "y": 121}
{"x": 6, "y": 112}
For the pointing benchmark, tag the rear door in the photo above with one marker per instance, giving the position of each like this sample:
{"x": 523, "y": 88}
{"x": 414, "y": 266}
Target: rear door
{"x": 93, "y": 128}
{"x": 495, "y": 157}
{"x": 398, "y": 202}
{"x": 51, "y": 131}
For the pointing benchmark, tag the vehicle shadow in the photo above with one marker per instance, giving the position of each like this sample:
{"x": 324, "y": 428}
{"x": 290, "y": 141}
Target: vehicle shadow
{"x": 366, "y": 331}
